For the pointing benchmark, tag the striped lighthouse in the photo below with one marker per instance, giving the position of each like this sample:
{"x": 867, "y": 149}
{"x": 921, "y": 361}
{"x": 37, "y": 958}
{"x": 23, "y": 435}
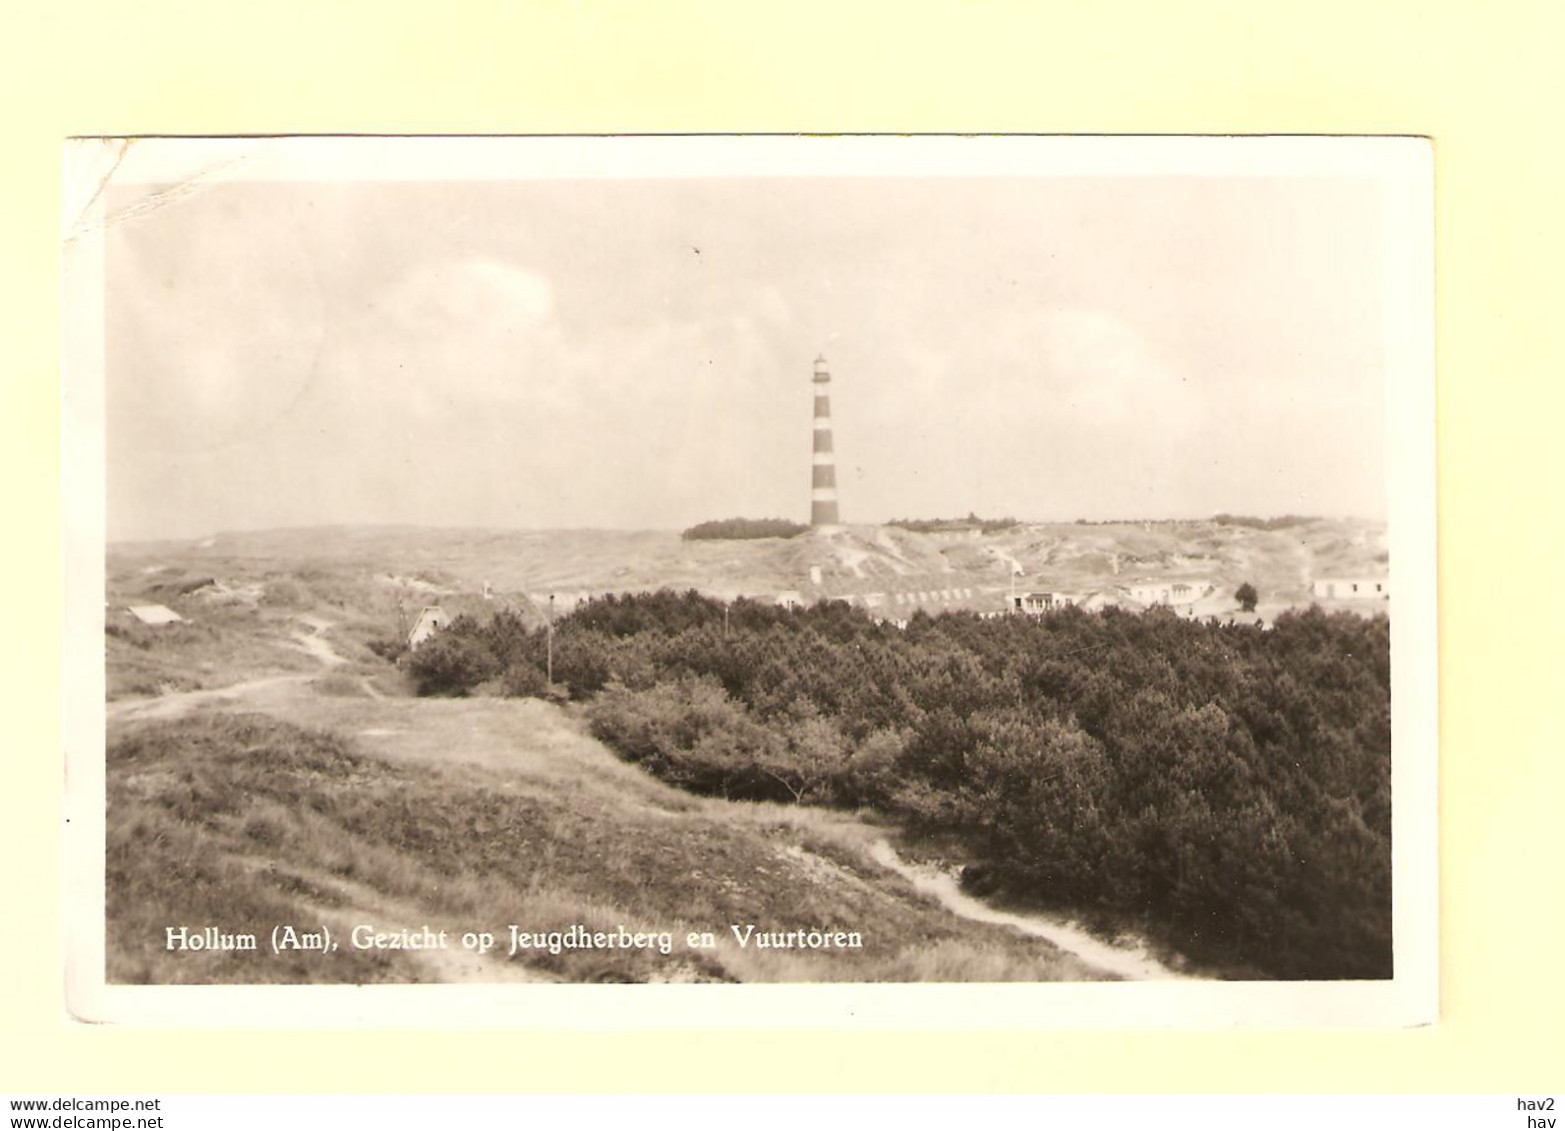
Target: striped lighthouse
{"x": 823, "y": 472}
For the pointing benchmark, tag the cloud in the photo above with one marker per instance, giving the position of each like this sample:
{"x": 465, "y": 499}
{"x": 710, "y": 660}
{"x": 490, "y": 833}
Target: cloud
{"x": 446, "y": 335}
{"x": 1100, "y": 364}
{"x": 1095, "y": 365}
{"x": 482, "y": 296}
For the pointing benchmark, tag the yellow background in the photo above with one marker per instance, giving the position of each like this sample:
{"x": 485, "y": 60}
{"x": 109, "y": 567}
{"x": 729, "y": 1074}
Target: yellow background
{"x": 1481, "y": 79}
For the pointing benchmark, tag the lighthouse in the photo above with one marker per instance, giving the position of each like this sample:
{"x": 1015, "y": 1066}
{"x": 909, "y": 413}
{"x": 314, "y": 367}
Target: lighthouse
{"x": 823, "y": 472}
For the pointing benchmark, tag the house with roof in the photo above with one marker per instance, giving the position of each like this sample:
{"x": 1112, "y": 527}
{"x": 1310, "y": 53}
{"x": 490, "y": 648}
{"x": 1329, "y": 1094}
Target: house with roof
{"x": 430, "y": 620}
{"x": 478, "y": 607}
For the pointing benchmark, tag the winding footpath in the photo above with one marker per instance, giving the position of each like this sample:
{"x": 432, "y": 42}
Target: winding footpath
{"x": 1131, "y": 964}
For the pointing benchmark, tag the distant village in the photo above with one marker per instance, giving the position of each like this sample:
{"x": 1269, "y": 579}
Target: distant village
{"x": 1191, "y": 597}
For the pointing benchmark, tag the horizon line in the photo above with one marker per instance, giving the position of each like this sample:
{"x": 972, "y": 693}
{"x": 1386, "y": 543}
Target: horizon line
{"x": 302, "y": 528}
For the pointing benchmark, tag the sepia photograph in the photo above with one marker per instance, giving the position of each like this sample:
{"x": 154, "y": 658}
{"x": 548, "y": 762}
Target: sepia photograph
{"x": 728, "y": 560}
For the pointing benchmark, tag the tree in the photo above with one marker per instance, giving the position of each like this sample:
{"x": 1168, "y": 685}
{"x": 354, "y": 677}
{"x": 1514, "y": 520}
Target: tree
{"x": 451, "y": 663}
{"x": 1247, "y": 597}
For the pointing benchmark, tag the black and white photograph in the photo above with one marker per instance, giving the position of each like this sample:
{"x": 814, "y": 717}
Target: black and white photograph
{"x": 833, "y": 561}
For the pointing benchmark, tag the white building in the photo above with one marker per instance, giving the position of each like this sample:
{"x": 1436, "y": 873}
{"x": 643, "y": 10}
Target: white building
{"x": 1352, "y": 588}
{"x": 1036, "y": 603}
{"x": 155, "y": 615}
{"x": 430, "y": 621}
{"x": 1150, "y": 592}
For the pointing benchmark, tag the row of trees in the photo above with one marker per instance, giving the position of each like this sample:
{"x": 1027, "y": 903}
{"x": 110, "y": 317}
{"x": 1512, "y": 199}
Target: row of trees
{"x": 1280, "y": 522}
{"x": 740, "y": 528}
{"x": 947, "y": 525}
{"x": 1227, "y": 785}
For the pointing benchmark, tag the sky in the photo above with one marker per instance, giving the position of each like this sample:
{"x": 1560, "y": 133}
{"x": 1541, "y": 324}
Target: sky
{"x": 637, "y": 353}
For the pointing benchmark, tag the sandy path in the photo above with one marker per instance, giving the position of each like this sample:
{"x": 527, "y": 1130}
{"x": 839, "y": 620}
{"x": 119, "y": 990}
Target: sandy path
{"x": 1131, "y": 964}
{"x": 264, "y": 691}
{"x": 316, "y": 644}
{"x": 179, "y": 703}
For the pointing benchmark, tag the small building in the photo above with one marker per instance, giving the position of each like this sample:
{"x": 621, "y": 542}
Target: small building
{"x": 155, "y": 615}
{"x": 1038, "y": 603}
{"x": 428, "y": 622}
{"x": 1352, "y": 588}
{"x": 481, "y": 608}
{"x": 1151, "y": 592}
{"x": 790, "y": 599}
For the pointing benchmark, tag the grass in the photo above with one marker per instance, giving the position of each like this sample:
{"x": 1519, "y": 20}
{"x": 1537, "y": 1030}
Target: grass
{"x": 170, "y": 806}
{"x": 215, "y": 648}
{"x": 245, "y": 821}
{"x": 340, "y": 683}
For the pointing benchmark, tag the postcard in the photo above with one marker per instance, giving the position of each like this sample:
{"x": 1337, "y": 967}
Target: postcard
{"x": 613, "y": 582}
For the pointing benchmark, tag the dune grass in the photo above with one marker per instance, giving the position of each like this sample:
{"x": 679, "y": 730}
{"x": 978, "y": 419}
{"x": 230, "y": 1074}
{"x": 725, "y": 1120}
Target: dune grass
{"x": 245, "y": 821}
{"x": 214, "y": 647}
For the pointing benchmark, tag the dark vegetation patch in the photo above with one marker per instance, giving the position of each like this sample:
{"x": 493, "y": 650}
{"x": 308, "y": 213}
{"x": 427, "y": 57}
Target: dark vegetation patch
{"x": 1226, "y": 786}
{"x": 954, "y": 525}
{"x": 742, "y": 528}
{"x": 1280, "y": 522}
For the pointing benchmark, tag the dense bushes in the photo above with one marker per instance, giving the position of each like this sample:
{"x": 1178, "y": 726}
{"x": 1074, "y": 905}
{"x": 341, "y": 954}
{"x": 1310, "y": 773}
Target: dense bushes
{"x": 452, "y": 663}
{"x": 1229, "y": 785}
{"x": 744, "y": 528}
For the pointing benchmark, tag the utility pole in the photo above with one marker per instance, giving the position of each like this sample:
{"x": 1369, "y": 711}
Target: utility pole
{"x": 549, "y": 661}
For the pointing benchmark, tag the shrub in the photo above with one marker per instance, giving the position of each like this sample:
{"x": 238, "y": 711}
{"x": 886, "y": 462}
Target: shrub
{"x": 583, "y": 662}
{"x": 739, "y": 528}
{"x": 524, "y": 681}
{"x": 390, "y": 648}
{"x": 451, "y": 663}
